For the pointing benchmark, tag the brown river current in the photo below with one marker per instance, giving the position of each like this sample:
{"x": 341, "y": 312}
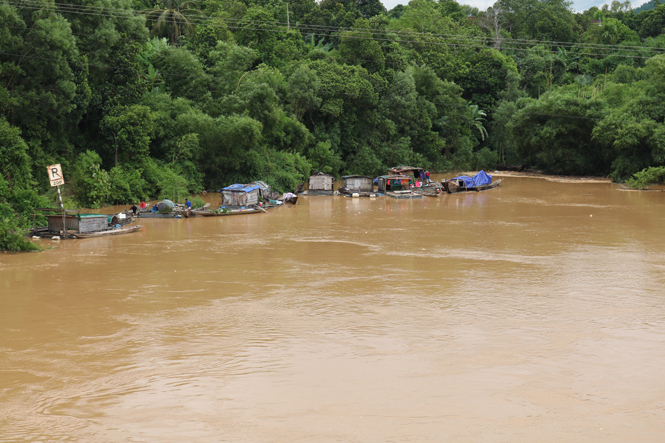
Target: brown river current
{"x": 530, "y": 313}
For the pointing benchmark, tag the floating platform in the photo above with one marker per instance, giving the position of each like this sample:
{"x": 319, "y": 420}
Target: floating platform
{"x": 363, "y": 194}
{"x": 403, "y": 194}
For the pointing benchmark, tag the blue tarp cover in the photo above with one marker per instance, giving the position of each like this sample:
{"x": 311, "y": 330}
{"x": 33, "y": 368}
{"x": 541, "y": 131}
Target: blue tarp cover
{"x": 479, "y": 179}
{"x": 242, "y": 188}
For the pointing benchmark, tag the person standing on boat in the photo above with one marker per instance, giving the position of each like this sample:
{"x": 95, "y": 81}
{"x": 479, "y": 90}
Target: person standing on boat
{"x": 426, "y": 176}
{"x": 143, "y": 205}
{"x": 188, "y": 204}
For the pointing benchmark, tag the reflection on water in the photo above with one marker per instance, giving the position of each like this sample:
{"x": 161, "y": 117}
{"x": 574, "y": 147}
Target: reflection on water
{"x": 532, "y": 312}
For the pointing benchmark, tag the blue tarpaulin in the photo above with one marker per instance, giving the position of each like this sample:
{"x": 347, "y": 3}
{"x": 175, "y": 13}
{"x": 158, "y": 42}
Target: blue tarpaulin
{"x": 242, "y": 188}
{"x": 479, "y": 179}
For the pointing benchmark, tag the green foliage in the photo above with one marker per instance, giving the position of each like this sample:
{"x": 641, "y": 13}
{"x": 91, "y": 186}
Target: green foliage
{"x": 14, "y": 158}
{"x": 127, "y": 185}
{"x": 175, "y": 18}
{"x": 197, "y": 202}
{"x": 17, "y": 196}
{"x": 11, "y": 238}
{"x": 647, "y": 177}
{"x": 92, "y": 184}
{"x": 283, "y": 171}
{"x": 128, "y": 130}
{"x": 486, "y": 159}
{"x": 324, "y": 159}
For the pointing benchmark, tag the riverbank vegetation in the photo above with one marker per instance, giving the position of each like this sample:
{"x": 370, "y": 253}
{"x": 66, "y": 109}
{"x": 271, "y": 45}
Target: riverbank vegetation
{"x": 140, "y": 99}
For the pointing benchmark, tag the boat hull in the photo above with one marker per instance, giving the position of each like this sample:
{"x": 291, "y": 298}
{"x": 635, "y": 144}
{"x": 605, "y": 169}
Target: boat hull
{"x": 155, "y": 215}
{"x": 453, "y": 188}
{"x": 226, "y": 214}
{"x": 108, "y": 233}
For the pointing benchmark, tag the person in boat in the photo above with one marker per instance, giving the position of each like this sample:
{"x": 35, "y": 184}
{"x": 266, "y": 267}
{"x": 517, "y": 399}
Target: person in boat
{"x": 143, "y": 205}
{"x": 188, "y": 204}
{"x": 134, "y": 209}
{"x": 426, "y": 176}
{"x": 154, "y": 208}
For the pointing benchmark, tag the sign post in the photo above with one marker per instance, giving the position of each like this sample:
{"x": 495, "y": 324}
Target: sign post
{"x": 56, "y": 179}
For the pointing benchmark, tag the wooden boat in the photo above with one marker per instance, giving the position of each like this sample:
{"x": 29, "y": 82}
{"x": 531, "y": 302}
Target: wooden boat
{"x": 118, "y": 231}
{"x": 188, "y": 213}
{"x": 231, "y": 212}
{"x": 454, "y": 186}
{"x": 431, "y": 189}
{"x": 155, "y": 215}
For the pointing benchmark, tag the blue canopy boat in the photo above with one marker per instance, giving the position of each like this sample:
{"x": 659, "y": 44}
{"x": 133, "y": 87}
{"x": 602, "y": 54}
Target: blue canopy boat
{"x": 479, "y": 182}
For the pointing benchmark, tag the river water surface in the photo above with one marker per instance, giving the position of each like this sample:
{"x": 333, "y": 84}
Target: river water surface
{"x": 531, "y": 313}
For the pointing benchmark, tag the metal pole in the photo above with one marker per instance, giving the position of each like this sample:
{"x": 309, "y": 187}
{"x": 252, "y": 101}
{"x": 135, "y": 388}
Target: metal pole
{"x": 64, "y": 227}
{"x": 288, "y": 21}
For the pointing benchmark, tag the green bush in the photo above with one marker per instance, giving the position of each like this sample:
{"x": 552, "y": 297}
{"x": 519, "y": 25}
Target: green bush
{"x": 486, "y": 159}
{"x": 127, "y": 185}
{"x": 463, "y": 158}
{"x": 92, "y": 185}
{"x": 11, "y": 238}
{"x": 164, "y": 181}
{"x": 197, "y": 202}
{"x": 284, "y": 170}
{"x": 647, "y": 177}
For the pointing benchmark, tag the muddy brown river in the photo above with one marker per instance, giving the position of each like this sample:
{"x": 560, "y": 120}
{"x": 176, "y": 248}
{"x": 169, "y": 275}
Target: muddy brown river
{"x": 531, "y": 313}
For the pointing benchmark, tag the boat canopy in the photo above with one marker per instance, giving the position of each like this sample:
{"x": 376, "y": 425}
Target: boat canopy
{"x": 237, "y": 187}
{"x": 481, "y": 178}
{"x": 406, "y": 169}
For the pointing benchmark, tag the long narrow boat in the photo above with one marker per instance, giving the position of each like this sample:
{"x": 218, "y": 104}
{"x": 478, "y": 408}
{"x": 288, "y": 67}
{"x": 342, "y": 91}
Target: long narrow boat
{"x": 155, "y": 215}
{"x": 454, "y": 186}
{"x": 224, "y": 214}
{"x": 118, "y": 231}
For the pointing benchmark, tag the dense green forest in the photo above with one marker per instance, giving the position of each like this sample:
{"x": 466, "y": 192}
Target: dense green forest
{"x": 141, "y": 99}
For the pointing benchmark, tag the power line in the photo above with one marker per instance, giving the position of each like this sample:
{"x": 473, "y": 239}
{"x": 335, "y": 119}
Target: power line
{"x": 420, "y": 42}
{"x": 325, "y": 30}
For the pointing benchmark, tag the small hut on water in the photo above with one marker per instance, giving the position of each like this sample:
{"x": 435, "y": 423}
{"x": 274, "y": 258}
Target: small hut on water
{"x": 82, "y": 223}
{"x": 264, "y": 191}
{"x": 240, "y": 195}
{"x": 415, "y": 172}
{"x": 388, "y": 183}
{"x": 357, "y": 184}
{"x": 321, "y": 184}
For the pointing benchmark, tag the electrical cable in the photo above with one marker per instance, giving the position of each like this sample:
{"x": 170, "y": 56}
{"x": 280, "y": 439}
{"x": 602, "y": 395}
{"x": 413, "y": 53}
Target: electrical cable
{"x": 68, "y": 8}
